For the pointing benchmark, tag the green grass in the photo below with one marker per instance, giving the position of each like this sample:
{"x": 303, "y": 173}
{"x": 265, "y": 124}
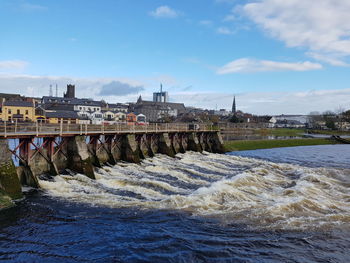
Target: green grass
{"x": 330, "y": 132}
{"x": 280, "y": 132}
{"x": 267, "y": 144}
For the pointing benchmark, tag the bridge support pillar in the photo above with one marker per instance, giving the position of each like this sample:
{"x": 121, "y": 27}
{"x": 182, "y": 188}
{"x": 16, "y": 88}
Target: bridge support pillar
{"x": 193, "y": 143}
{"x": 216, "y": 143}
{"x": 175, "y": 142}
{"x": 164, "y": 145}
{"x": 153, "y": 141}
{"x": 143, "y": 146}
{"x": 9, "y": 182}
{"x": 79, "y": 159}
{"x": 116, "y": 147}
{"x": 130, "y": 149}
{"x": 184, "y": 141}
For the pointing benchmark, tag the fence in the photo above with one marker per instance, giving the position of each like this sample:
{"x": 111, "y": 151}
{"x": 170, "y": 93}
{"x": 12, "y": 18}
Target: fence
{"x": 40, "y": 129}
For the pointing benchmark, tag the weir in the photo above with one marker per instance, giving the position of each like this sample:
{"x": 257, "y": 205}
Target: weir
{"x": 52, "y": 151}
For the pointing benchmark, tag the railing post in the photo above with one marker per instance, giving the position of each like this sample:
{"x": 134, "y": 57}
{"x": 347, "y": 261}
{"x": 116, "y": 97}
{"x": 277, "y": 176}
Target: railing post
{"x": 5, "y": 129}
{"x": 81, "y": 129}
{"x": 156, "y": 127}
{"x": 37, "y": 128}
{"x": 16, "y": 126}
{"x": 61, "y": 127}
{"x": 85, "y": 128}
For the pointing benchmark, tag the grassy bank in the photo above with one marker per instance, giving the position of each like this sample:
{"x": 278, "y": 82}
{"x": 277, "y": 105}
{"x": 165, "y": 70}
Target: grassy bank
{"x": 330, "y": 132}
{"x": 267, "y": 144}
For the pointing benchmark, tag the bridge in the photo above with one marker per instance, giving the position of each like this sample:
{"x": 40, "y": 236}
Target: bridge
{"x": 39, "y": 148}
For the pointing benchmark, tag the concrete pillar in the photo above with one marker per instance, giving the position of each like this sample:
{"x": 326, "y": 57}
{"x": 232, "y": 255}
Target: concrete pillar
{"x": 26, "y": 176}
{"x": 104, "y": 155}
{"x": 153, "y": 142}
{"x": 116, "y": 147}
{"x": 203, "y": 140}
{"x": 207, "y": 142}
{"x": 193, "y": 143}
{"x": 41, "y": 163}
{"x": 164, "y": 145}
{"x": 184, "y": 141}
{"x": 9, "y": 182}
{"x": 216, "y": 143}
{"x": 79, "y": 159}
{"x": 176, "y": 144}
{"x": 144, "y": 147}
{"x": 130, "y": 149}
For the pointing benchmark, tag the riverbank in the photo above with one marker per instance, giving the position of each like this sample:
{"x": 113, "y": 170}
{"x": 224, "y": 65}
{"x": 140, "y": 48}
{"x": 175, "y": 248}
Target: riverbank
{"x": 244, "y": 145}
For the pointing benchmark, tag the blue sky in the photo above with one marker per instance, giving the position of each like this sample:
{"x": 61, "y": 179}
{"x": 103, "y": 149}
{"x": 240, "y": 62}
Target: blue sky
{"x": 276, "y": 56}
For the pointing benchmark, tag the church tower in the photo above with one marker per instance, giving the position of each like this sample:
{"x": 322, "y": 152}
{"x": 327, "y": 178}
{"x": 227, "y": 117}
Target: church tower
{"x": 234, "y": 105}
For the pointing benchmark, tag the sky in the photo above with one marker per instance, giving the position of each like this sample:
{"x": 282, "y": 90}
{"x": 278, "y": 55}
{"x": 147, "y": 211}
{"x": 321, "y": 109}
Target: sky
{"x": 275, "y": 56}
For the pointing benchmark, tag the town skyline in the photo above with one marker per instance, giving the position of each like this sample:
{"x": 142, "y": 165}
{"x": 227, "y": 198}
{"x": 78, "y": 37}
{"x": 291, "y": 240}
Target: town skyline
{"x": 116, "y": 51}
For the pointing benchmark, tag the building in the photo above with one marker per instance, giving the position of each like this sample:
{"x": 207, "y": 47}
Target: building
{"x": 8, "y": 97}
{"x": 289, "y": 121}
{"x": 157, "y": 111}
{"x": 234, "y": 110}
{"x": 131, "y": 118}
{"x": 120, "y": 117}
{"x": 141, "y": 119}
{"x": 161, "y": 96}
{"x": 68, "y": 117}
{"x": 18, "y": 110}
{"x": 70, "y": 92}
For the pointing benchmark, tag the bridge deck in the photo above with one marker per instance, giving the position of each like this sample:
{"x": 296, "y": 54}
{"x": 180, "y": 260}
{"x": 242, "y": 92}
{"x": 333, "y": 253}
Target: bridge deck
{"x": 36, "y": 130}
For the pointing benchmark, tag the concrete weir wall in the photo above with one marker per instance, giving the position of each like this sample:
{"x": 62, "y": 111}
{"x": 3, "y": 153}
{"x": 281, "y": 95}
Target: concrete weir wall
{"x": 10, "y": 187}
{"x": 82, "y": 153}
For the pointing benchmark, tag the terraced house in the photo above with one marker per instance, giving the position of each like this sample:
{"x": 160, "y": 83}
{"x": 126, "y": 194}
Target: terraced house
{"x": 17, "y": 111}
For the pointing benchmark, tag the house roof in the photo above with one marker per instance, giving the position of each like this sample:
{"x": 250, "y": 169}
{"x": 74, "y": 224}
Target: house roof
{"x": 172, "y": 105}
{"x": 72, "y": 101}
{"x": 62, "y": 114}
{"x": 19, "y": 103}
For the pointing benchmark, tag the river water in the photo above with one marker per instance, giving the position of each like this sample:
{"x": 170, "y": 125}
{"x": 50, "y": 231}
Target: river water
{"x": 279, "y": 205}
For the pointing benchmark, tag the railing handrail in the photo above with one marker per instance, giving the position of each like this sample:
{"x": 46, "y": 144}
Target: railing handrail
{"x": 35, "y": 129}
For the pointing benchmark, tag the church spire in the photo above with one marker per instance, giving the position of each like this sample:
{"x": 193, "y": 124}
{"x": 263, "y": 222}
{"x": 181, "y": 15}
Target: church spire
{"x": 234, "y": 105}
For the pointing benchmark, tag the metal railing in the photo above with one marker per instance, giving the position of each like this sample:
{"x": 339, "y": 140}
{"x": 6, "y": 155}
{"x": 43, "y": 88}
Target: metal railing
{"x": 13, "y": 129}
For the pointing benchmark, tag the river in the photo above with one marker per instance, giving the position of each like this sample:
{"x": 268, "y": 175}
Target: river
{"x": 279, "y": 205}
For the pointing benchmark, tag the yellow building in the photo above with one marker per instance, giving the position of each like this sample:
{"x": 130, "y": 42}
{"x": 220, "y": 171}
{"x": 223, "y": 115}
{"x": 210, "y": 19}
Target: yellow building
{"x": 56, "y": 117}
{"x": 17, "y": 110}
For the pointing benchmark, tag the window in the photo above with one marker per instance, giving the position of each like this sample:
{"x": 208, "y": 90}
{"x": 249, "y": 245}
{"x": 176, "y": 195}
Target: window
{"x": 9, "y": 111}
{"x": 18, "y": 112}
{"x": 27, "y": 112}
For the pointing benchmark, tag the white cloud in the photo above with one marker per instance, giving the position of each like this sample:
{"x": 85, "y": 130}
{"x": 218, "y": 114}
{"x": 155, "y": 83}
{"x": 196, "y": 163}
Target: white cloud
{"x": 229, "y": 18}
{"x": 205, "y": 22}
{"x": 164, "y": 12}
{"x": 13, "y": 64}
{"x": 253, "y": 65}
{"x": 32, "y": 7}
{"x": 332, "y": 60}
{"x": 320, "y": 26}
{"x": 225, "y": 31}
{"x": 30, "y": 85}
{"x": 272, "y": 103}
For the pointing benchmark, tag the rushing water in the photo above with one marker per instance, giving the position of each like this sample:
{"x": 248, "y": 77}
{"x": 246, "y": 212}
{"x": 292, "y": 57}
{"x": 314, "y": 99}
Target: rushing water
{"x": 280, "y": 205}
